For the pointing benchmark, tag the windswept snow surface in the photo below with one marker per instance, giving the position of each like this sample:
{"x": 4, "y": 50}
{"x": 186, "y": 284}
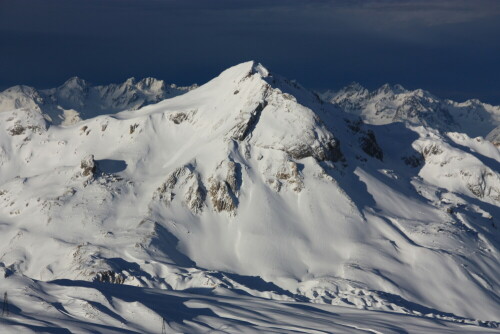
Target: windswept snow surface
{"x": 248, "y": 187}
{"x": 66, "y": 306}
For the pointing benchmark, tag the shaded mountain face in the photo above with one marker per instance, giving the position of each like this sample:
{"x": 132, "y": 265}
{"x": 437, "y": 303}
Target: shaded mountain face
{"x": 390, "y": 104}
{"x": 494, "y": 136}
{"x": 253, "y": 183}
{"x": 77, "y": 99}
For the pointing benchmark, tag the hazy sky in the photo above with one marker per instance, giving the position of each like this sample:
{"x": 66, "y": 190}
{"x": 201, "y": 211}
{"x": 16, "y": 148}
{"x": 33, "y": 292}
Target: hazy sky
{"x": 449, "y": 47}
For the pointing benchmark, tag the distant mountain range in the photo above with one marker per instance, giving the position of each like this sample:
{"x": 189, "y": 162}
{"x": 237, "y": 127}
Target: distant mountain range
{"x": 77, "y": 99}
{"x": 389, "y": 104}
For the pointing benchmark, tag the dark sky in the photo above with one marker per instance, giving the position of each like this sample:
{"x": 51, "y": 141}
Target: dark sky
{"x": 449, "y": 47}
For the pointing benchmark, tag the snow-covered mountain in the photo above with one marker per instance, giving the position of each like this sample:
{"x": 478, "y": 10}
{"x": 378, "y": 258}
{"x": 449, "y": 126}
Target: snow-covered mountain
{"x": 77, "y": 99}
{"x": 249, "y": 185}
{"x": 389, "y": 104}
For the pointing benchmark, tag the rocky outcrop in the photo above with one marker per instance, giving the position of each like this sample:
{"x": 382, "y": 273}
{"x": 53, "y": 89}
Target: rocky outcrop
{"x": 289, "y": 174}
{"x": 432, "y": 149}
{"x": 483, "y": 183}
{"x": 133, "y": 127}
{"x": 224, "y": 192}
{"x": 184, "y": 180}
{"x": 109, "y": 276}
{"x": 244, "y": 128}
{"x": 366, "y": 138}
{"x": 178, "y": 117}
{"x": 233, "y": 174}
{"x": 369, "y": 145}
{"x": 88, "y": 166}
{"x": 221, "y": 196}
{"x": 182, "y": 116}
{"x": 328, "y": 152}
{"x": 195, "y": 195}
{"x": 17, "y": 129}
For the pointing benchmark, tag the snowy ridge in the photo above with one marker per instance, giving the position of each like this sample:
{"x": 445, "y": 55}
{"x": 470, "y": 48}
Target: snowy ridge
{"x": 249, "y": 184}
{"x": 77, "y": 99}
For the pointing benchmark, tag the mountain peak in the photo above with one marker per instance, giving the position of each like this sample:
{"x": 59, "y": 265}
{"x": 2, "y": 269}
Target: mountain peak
{"x": 390, "y": 89}
{"x": 245, "y": 69}
{"x": 23, "y": 89}
{"x": 356, "y": 86}
{"x": 130, "y": 81}
{"x": 398, "y": 87}
{"x": 353, "y": 91}
{"x": 260, "y": 69}
{"x": 75, "y": 82}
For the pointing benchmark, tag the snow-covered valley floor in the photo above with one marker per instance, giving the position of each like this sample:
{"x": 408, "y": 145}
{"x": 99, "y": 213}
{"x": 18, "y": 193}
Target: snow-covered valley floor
{"x": 66, "y": 306}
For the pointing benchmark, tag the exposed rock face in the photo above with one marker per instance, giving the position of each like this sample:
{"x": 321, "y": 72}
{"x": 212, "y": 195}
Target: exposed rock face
{"x": 173, "y": 178}
{"x": 187, "y": 181}
{"x": 484, "y": 183}
{"x": 244, "y": 128}
{"x": 182, "y": 116}
{"x": 17, "y": 129}
{"x": 329, "y": 152}
{"x": 413, "y": 160}
{"x": 195, "y": 195}
{"x": 224, "y": 192}
{"x": 178, "y": 117}
{"x": 367, "y": 140}
{"x": 289, "y": 174}
{"x": 432, "y": 149}
{"x": 109, "y": 276}
{"x": 133, "y": 127}
{"x": 233, "y": 169}
{"x": 88, "y": 166}
{"x": 221, "y": 196}
{"x": 369, "y": 145}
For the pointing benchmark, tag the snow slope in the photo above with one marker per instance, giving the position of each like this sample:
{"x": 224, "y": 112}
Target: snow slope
{"x": 252, "y": 184}
{"x": 83, "y": 307}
